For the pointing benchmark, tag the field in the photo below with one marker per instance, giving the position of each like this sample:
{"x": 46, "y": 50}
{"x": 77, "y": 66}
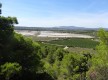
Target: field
{"x": 52, "y": 34}
{"x": 84, "y": 32}
{"x": 76, "y": 42}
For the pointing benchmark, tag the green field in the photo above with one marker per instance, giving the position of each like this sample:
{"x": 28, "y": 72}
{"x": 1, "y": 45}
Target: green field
{"x": 76, "y": 42}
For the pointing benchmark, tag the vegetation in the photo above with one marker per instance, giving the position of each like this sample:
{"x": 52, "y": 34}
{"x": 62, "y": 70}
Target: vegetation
{"x": 8, "y": 70}
{"x": 76, "y": 42}
{"x": 14, "y": 48}
{"x": 99, "y": 66}
{"x": 23, "y": 59}
{"x": 61, "y": 64}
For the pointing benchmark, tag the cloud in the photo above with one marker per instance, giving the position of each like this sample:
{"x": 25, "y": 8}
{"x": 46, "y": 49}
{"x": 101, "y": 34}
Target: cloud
{"x": 81, "y": 19}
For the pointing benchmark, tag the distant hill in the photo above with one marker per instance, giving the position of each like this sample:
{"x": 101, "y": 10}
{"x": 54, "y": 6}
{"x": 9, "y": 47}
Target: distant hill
{"x": 78, "y": 28}
{"x": 54, "y": 28}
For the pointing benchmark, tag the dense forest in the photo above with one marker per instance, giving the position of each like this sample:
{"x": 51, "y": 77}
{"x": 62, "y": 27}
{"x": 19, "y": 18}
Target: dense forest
{"x": 23, "y": 59}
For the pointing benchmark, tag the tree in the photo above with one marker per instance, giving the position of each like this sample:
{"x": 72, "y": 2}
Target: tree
{"x": 9, "y": 70}
{"x": 59, "y": 54}
{"x": 100, "y": 59}
{"x": 69, "y": 66}
{"x": 25, "y": 52}
{"x": 6, "y": 27}
{"x": 0, "y": 9}
{"x": 6, "y": 34}
{"x": 15, "y": 48}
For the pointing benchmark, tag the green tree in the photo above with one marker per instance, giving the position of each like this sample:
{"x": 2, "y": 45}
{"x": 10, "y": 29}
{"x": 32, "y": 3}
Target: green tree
{"x": 6, "y": 28}
{"x": 69, "y": 66}
{"x": 59, "y": 54}
{"x": 6, "y": 34}
{"x": 25, "y": 52}
{"x": 9, "y": 70}
{"x": 16, "y": 48}
{"x": 100, "y": 59}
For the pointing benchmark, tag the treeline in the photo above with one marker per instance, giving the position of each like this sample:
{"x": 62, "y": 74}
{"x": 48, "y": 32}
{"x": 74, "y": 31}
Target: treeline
{"x": 23, "y": 59}
{"x": 38, "y": 28}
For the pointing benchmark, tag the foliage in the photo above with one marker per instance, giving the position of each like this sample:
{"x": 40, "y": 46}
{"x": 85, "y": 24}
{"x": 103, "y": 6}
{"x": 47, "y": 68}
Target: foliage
{"x": 62, "y": 65}
{"x": 100, "y": 60}
{"x": 14, "y": 48}
{"x": 8, "y": 70}
{"x": 23, "y": 59}
{"x": 26, "y": 52}
{"x": 6, "y": 28}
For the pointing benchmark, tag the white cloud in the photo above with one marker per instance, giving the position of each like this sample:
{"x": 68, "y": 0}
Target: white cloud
{"x": 81, "y": 19}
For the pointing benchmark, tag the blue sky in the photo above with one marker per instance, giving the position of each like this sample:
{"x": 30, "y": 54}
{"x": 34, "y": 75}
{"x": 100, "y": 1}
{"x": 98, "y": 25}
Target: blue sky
{"x": 50, "y": 13}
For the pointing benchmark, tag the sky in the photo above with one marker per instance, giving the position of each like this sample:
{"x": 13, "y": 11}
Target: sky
{"x": 51, "y": 13}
